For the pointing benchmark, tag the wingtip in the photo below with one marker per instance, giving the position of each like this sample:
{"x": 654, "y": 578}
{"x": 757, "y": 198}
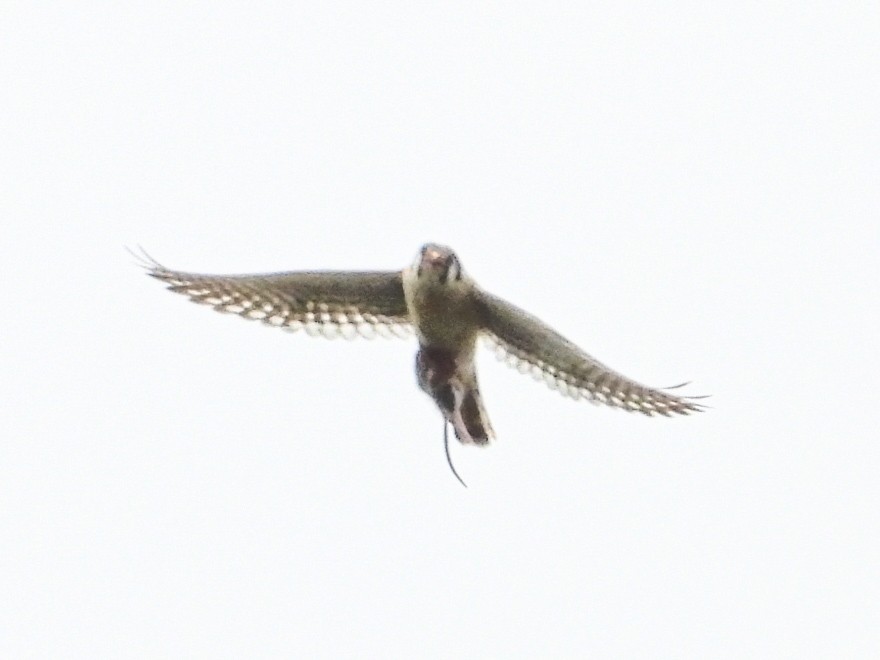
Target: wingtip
{"x": 689, "y": 407}
{"x": 143, "y": 259}
{"x": 676, "y": 387}
{"x": 687, "y": 399}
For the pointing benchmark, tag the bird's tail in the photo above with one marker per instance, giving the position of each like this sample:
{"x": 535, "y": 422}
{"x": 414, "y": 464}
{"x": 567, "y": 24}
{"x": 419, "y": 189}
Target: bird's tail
{"x": 469, "y": 417}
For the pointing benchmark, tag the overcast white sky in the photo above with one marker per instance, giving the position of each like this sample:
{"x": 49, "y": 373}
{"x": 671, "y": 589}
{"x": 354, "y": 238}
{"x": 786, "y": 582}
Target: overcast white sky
{"x": 688, "y": 190}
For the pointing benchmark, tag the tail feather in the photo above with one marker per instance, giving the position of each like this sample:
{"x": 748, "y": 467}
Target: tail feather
{"x": 470, "y": 420}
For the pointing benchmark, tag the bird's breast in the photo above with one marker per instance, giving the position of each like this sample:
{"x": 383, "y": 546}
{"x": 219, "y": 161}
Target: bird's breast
{"x": 443, "y": 316}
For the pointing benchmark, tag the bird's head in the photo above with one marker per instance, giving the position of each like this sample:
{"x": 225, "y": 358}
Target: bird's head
{"x": 437, "y": 263}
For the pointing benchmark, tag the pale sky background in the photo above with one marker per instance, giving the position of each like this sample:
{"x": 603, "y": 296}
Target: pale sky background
{"x": 690, "y": 191}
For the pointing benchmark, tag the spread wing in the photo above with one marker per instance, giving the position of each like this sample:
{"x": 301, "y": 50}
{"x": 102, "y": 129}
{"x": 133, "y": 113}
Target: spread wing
{"x": 526, "y": 343}
{"x": 323, "y": 303}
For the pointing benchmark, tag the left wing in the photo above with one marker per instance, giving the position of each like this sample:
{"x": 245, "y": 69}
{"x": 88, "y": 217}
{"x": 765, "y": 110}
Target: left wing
{"x": 531, "y": 346}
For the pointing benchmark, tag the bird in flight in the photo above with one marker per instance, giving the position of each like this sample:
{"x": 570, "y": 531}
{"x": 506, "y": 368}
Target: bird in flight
{"x": 435, "y": 298}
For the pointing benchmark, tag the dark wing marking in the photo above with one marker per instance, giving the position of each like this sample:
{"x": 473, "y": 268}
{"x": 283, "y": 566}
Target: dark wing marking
{"x": 529, "y": 345}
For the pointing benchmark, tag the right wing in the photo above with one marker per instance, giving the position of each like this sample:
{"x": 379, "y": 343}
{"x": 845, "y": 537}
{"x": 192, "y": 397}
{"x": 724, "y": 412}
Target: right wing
{"x": 324, "y": 303}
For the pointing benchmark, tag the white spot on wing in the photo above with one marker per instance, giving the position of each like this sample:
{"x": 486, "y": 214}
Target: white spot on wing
{"x": 366, "y": 330}
{"x": 400, "y": 330}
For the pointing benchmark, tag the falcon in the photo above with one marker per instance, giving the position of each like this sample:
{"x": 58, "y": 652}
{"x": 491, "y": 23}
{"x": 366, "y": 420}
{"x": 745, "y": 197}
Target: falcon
{"x": 448, "y": 312}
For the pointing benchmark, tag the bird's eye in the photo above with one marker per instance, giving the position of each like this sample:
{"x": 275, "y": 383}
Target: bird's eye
{"x": 453, "y": 267}
{"x": 452, "y": 270}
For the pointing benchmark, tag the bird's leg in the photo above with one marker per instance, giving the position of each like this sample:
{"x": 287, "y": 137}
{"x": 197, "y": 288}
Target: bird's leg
{"x": 449, "y": 398}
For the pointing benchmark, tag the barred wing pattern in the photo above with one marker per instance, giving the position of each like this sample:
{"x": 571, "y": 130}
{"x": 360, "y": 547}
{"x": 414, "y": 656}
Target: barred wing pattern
{"x": 527, "y": 344}
{"x": 323, "y": 303}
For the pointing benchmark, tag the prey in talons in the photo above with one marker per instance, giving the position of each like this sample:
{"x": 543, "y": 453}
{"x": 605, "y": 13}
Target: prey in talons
{"x": 442, "y": 379}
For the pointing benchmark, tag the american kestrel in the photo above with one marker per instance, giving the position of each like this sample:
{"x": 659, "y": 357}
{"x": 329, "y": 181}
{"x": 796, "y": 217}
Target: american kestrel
{"x": 437, "y": 299}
